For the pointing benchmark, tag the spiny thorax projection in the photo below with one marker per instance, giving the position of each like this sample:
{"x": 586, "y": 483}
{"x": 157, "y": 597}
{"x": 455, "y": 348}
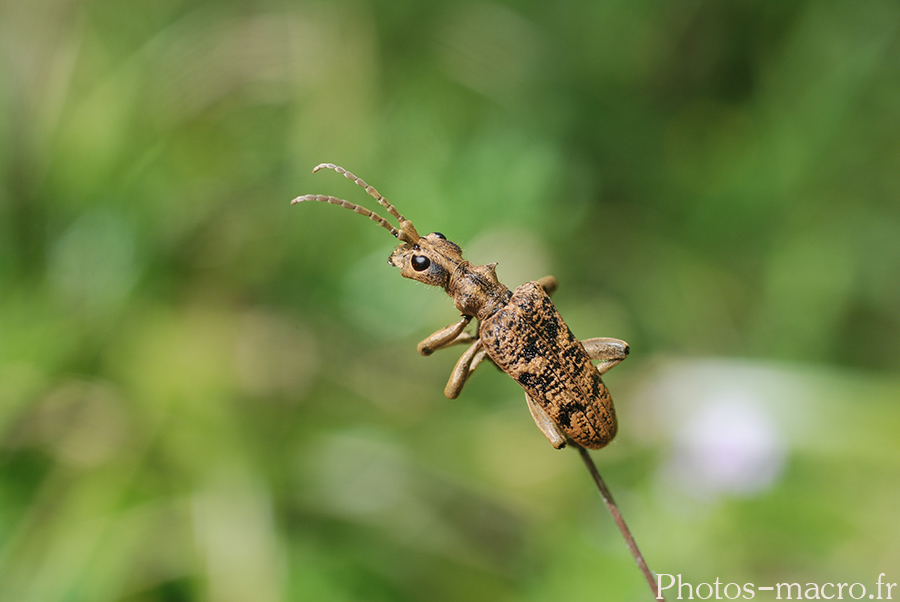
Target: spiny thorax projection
{"x": 476, "y": 290}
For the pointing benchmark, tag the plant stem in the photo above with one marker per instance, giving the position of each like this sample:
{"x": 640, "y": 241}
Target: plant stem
{"x": 620, "y": 521}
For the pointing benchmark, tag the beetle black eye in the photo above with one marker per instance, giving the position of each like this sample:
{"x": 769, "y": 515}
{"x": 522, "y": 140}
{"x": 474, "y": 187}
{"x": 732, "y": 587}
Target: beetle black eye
{"x": 439, "y": 235}
{"x": 420, "y": 263}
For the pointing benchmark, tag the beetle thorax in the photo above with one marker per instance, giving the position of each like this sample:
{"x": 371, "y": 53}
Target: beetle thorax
{"x": 476, "y": 290}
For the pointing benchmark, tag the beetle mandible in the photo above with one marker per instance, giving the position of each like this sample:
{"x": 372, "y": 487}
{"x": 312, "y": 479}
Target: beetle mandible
{"x": 520, "y": 331}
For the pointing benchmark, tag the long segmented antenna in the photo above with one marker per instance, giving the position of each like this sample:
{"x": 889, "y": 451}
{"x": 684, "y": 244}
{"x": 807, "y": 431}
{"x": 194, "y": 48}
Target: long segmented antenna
{"x": 362, "y": 184}
{"x": 406, "y": 233}
{"x": 352, "y": 206}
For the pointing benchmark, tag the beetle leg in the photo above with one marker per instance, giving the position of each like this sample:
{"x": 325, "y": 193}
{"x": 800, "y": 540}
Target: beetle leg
{"x": 610, "y": 352}
{"x": 464, "y": 368}
{"x": 549, "y": 284}
{"x": 550, "y": 429}
{"x": 445, "y": 336}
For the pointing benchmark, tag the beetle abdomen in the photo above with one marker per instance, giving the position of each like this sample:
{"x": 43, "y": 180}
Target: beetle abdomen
{"x": 528, "y": 339}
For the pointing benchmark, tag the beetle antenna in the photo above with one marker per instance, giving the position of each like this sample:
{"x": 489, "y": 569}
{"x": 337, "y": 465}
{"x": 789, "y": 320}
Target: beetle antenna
{"x": 362, "y": 183}
{"x": 353, "y": 207}
{"x": 407, "y": 232}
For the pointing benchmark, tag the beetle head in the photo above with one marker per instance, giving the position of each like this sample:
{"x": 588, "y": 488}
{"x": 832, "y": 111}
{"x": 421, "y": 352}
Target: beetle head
{"x": 432, "y": 259}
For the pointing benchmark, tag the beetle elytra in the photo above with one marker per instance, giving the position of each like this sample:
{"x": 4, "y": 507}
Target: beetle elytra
{"x": 520, "y": 331}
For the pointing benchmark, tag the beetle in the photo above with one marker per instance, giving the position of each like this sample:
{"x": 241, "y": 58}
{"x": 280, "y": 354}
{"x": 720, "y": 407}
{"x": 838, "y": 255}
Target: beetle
{"x": 520, "y": 331}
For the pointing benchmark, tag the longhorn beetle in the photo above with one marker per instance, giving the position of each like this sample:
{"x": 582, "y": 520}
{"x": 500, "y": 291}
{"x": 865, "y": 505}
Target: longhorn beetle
{"x": 520, "y": 331}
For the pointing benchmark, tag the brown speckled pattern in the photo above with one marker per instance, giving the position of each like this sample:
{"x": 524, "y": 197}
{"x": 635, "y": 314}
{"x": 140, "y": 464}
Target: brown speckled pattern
{"x": 528, "y": 339}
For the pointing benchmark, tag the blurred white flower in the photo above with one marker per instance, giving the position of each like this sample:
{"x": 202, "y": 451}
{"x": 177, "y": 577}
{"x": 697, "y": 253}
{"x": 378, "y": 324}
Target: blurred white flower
{"x": 724, "y": 422}
{"x": 729, "y": 445}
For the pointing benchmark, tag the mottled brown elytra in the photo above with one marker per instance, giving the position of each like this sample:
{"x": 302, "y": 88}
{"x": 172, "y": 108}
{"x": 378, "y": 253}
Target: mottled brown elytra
{"x": 520, "y": 331}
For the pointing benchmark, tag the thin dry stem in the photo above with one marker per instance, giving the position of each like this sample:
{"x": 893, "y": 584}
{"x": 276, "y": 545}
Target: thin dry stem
{"x": 620, "y": 522}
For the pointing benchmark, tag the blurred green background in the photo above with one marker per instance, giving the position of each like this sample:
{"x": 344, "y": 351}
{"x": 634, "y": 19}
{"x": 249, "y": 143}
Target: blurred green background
{"x": 208, "y": 394}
